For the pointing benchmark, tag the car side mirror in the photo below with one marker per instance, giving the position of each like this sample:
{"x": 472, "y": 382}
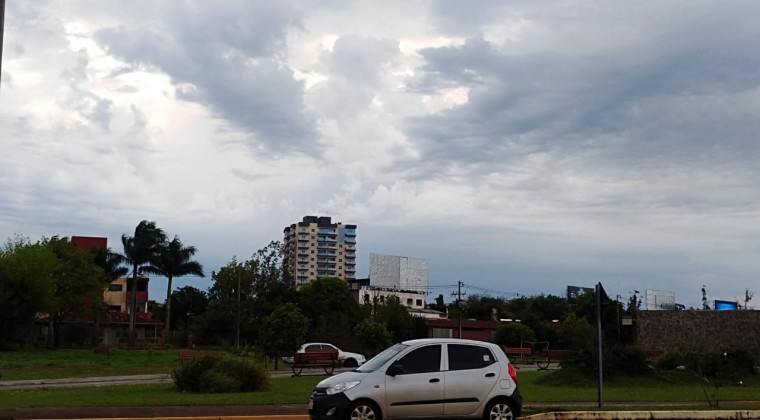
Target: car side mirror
{"x": 394, "y": 369}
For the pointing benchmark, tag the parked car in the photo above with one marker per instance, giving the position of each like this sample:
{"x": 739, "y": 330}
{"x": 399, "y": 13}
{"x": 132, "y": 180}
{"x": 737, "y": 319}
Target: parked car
{"x": 346, "y": 358}
{"x": 433, "y": 378}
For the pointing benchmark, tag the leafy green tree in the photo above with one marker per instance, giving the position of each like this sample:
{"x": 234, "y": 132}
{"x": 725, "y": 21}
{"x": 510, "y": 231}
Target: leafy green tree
{"x": 396, "y": 318}
{"x": 174, "y": 259}
{"x": 25, "y": 288}
{"x": 577, "y": 333}
{"x": 271, "y": 286}
{"x": 327, "y": 302}
{"x": 78, "y": 284}
{"x": 283, "y": 331}
{"x": 483, "y": 307}
{"x": 188, "y": 302}
{"x": 514, "y": 334}
{"x": 229, "y": 302}
{"x": 372, "y": 336}
{"x": 139, "y": 250}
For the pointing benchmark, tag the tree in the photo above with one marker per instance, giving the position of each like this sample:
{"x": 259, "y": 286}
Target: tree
{"x": 396, "y": 319}
{"x": 283, "y": 331}
{"x": 78, "y": 284}
{"x": 187, "y": 302}
{"x": 514, "y": 334}
{"x": 332, "y": 310}
{"x": 372, "y": 336}
{"x": 174, "y": 259}
{"x": 25, "y": 288}
{"x": 110, "y": 262}
{"x": 229, "y": 305}
{"x": 139, "y": 250}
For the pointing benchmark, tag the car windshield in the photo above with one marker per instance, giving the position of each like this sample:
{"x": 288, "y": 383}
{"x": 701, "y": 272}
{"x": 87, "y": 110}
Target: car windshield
{"x": 376, "y": 362}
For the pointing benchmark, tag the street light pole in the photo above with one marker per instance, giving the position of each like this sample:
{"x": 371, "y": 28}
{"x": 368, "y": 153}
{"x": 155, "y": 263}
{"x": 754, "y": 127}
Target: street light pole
{"x": 237, "y": 335}
{"x": 2, "y": 30}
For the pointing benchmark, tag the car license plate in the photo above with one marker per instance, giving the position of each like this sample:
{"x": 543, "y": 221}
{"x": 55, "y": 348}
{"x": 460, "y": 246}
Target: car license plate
{"x": 311, "y": 404}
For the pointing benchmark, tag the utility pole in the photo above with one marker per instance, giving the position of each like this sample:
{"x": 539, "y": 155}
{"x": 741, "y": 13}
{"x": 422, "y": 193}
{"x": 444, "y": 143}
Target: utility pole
{"x": 2, "y": 30}
{"x": 237, "y": 334}
{"x": 459, "y": 295}
{"x": 617, "y": 306}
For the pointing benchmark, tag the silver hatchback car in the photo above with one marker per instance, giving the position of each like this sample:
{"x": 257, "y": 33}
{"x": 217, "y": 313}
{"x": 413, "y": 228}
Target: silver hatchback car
{"x": 433, "y": 378}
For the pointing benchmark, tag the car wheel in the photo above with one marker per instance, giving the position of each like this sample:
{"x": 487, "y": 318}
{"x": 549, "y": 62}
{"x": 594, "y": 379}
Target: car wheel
{"x": 499, "y": 410}
{"x": 350, "y": 362}
{"x": 363, "y": 410}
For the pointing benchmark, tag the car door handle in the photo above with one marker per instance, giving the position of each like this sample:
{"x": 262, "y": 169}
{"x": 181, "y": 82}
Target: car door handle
{"x": 490, "y": 375}
{"x": 434, "y": 380}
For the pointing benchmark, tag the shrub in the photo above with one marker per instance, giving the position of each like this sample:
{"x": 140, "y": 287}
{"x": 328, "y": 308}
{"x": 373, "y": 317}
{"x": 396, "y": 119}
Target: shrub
{"x": 209, "y": 374}
{"x": 710, "y": 364}
{"x": 631, "y": 360}
{"x": 514, "y": 334}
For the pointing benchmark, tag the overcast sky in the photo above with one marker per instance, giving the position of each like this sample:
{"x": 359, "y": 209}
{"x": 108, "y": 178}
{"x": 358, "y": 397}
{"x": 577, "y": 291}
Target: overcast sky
{"x": 518, "y": 146}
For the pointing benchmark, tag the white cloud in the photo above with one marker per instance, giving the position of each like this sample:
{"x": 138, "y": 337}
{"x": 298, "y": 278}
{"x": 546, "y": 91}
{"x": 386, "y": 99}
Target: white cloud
{"x": 544, "y": 145}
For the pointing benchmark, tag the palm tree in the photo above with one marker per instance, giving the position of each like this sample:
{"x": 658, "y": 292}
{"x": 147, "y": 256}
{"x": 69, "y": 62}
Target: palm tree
{"x": 110, "y": 262}
{"x": 140, "y": 250}
{"x": 174, "y": 260}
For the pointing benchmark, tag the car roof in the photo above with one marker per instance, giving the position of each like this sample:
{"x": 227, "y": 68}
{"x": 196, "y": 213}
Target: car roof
{"x": 447, "y": 341}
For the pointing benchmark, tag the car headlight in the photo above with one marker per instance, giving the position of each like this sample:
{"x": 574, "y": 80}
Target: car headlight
{"x": 341, "y": 387}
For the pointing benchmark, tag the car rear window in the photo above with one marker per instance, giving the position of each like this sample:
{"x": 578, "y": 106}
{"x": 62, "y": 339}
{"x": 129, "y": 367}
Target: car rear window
{"x": 464, "y": 357}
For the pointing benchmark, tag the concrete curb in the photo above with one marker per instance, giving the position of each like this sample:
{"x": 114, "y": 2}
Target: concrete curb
{"x": 648, "y": 415}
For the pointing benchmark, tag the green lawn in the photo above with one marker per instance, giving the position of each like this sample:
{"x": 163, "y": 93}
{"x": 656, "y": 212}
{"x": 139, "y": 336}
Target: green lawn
{"x": 71, "y": 363}
{"x": 542, "y": 387}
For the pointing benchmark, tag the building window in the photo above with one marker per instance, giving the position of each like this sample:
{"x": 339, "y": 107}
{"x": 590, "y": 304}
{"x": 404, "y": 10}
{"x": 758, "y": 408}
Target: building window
{"x": 115, "y": 308}
{"x": 408, "y": 302}
{"x": 114, "y": 288}
{"x": 419, "y": 302}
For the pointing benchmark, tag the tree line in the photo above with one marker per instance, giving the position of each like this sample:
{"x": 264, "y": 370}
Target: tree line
{"x": 254, "y": 303}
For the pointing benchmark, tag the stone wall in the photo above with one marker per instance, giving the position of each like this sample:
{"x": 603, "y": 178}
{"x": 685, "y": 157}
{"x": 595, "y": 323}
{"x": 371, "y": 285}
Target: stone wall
{"x": 699, "y": 330}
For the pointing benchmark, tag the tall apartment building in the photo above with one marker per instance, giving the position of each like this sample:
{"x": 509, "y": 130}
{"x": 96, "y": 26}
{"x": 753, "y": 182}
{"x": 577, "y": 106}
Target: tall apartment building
{"x": 316, "y": 247}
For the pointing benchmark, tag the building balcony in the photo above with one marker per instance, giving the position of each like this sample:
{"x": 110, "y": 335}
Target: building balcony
{"x": 328, "y": 253}
{"x": 141, "y": 296}
{"x": 325, "y": 231}
{"x": 303, "y": 245}
{"x": 326, "y": 260}
{"x": 351, "y": 247}
{"x": 303, "y": 239}
{"x": 326, "y": 239}
{"x": 350, "y": 270}
{"x": 350, "y": 240}
{"x": 303, "y": 253}
{"x": 327, "y": 246}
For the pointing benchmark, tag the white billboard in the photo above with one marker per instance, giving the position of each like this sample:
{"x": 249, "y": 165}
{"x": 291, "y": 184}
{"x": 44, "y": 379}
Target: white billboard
{"x": 657, "y": 300}
{"x": 399, "y": 273}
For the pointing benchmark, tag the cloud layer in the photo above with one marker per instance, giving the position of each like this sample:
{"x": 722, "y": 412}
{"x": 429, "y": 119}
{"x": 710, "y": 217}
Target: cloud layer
{"x": 519, "y": 147}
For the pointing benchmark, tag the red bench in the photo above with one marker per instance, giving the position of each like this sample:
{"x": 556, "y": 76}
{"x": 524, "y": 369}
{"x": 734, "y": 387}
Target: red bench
{"x": 190, "y": 355}
{"x": 324, "y": 358}
{"x": 653, "y": 354}
{"x": 554, "y": 353}
{"x": 518, "y": 351}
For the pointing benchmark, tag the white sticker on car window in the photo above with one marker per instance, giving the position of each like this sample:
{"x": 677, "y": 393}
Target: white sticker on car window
{"x": 486, "y": 358}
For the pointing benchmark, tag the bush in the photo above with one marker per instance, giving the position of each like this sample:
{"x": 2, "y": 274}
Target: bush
{"x": 710, "y": 364}
{"x": 210, "y": 374}
{"x": 631, "y": 360}
{"x": 514, "y": 334}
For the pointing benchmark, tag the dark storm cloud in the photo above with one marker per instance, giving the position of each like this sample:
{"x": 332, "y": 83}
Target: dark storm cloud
{"x": 676, "y": 93}
{"x": 226, "y": 57}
